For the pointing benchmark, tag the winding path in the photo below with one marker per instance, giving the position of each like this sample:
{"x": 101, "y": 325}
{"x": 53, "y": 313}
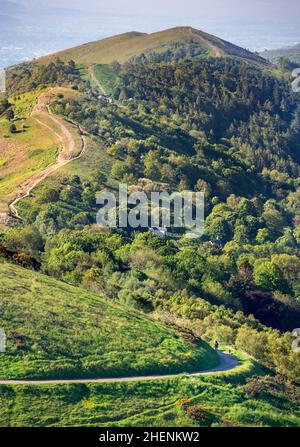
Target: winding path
{"x": 64, "y": 157}
{"x": 227, "y": 363}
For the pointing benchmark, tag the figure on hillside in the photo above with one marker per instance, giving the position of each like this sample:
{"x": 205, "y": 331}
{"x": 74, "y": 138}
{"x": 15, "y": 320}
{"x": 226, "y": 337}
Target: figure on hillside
{"x": 216, "y": 345}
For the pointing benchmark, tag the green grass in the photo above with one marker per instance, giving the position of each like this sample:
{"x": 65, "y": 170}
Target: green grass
{"x": 23, "y": 103}
{"x": 128, "y": 45}
{"x": 58, "y": 331}
{"x": 94, "y": 160}
{"x": 149, "y": 403}
{"x": 106, "y": 76}
{"x": 33, "y": 148}
{"x": 24, "y": 154}
{"x": 83, "y": 72}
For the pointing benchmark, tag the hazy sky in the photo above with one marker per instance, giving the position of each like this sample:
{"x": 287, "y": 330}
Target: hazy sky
{"x": 47, "y": 26}
{"x": 279, "y": 10}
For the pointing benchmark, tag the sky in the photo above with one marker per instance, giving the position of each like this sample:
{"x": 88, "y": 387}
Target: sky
{"x": 41, "y": 27}
{"x": 247, "y": 10}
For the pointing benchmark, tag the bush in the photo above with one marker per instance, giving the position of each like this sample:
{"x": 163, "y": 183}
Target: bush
{"x": 198, "y": 414}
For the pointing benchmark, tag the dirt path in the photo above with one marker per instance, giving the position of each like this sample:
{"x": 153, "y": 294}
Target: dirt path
{"x": 95, "y": 80}
{"x": 215, "y": 50}
{"x": 67, "y": 146}
{"x": 227, "y": 363}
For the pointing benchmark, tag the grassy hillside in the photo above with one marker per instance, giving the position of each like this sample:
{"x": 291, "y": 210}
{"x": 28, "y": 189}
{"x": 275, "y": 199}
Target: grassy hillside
{"x": 23, "y": 155}
{"x": 179, "y": 119}
{"x": 105, "y": 74}
{"x": 24, "y": 152}
{"x": 125, "y": 46}
{"x": 34, "y": 145}
{"x": 219, "y": 400}
{"x": 56, "y": 330}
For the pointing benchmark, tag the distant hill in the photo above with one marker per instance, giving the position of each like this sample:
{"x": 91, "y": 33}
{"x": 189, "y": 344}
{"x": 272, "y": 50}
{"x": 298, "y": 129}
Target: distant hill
{"x": 125, "y": 46}
{"x": 292, "y": 53}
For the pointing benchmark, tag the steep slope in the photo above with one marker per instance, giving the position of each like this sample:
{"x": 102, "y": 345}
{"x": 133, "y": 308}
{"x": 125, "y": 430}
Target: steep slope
{"x": 55, "y": 330}
{"x": 126, "y": 46}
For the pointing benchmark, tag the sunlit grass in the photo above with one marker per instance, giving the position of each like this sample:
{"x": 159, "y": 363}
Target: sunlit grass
{"x": 70, "y": 332}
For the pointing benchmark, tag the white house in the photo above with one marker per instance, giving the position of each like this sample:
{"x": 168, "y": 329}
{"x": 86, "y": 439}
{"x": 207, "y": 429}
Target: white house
{"x": 159, "y": 231}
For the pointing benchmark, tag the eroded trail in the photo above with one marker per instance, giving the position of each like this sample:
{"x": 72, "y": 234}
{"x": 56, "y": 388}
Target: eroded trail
{"x": 66, "y": 153}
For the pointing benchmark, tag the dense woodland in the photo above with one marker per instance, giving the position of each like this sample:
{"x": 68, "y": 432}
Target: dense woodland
{"x": 30, "y": 75}
{"x": 221, "y": 126}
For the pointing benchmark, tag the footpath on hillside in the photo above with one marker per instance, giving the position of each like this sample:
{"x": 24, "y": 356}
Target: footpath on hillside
{"x": 227, "y": 363}
{"x": 42, "y": 114}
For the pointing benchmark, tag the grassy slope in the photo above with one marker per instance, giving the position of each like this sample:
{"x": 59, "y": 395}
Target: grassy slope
{"x": 70, "y": 331}
{"x": 106, "y": 77}
{"x": 95, "y": 159}
{"x": 150, "y": 403}
{"x": 26, "y": 152}
{"x": 125, "y": 46}
{"x": 73, "y": 333}
{"x": 30, "y": 151}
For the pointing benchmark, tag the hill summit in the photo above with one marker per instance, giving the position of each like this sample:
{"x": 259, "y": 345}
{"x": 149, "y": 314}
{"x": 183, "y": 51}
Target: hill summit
{"x": 126, "y": 46}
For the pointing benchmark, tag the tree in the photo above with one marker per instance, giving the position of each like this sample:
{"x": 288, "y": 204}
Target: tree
{"x": 203, "y": 186}
{"x": 218, "y": 229}
{"x": 27, "y": 240}
{"x": 116, "y": 66}
{"x": 69, "y": 193}
{"x": 241, "y": 234}
{"x": 263, "y": 235}
{"x": 188, "y": 264}
{"x": 268, "y": 275}
{"x": 289, "y": 265}
{"x": 88, "y": 198}
{"x": 285, "y": 64}
{"x": 10, "y": 114}
{"x": 4, "y": 104}
{"x": 75, "y": 180}
{"x": 274, "y": 219}
{"x": 100, "y": 178}
{"x": 152, "y": 167}
{"x": 118, "y": 169}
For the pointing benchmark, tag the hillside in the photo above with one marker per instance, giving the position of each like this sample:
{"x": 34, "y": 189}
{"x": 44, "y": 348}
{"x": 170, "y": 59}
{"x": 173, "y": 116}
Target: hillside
{"x": 214, "y": 401}
{"x": 291, "y": 53}
{"x": 126, "y": 46}
{"x": 39, "y": 140}
{"x": 111, "y": 302}
{"x": 55, "y": 330}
